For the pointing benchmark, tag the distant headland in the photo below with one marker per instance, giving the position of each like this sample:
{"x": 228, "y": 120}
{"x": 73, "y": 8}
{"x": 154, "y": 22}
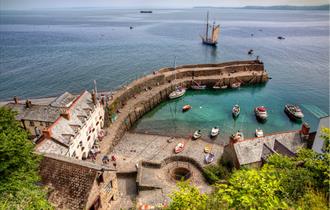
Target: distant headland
{"x": 278, "y": 7}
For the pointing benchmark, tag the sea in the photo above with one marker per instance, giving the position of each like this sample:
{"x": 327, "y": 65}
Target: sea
{"x": 47, "y": 52}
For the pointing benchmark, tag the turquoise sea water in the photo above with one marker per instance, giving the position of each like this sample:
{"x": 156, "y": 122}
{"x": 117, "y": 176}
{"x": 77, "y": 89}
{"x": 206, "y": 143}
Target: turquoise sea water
{"x": 45, "y": 53}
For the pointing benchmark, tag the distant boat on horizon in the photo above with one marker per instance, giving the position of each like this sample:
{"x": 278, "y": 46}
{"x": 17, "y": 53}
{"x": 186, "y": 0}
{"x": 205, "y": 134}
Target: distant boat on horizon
{"x": 211, "y": 35}
{"x": 145, "y": 11}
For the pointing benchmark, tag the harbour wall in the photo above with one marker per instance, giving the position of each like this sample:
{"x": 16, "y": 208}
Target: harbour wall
{"x": 131, "y": 102}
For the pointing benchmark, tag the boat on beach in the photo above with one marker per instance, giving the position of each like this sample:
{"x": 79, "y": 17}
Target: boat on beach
{"x": 236, "y": 110}
{"x": 179, "y": 148}
{"x": 209, "y": 158}
{"x": 215, "y": 131}
{"x": 197, "y": 134}
{"x": 179, "y": 91}
{"x": 259, "y": 132}
{"x": 261, "y": 113}
{"x": 293, "y": 111}
{"x": 238, "y": 136}
{"x": 211, "y": 35}
{"x": 186, "y": 108}
{"x": 235, "y": 85}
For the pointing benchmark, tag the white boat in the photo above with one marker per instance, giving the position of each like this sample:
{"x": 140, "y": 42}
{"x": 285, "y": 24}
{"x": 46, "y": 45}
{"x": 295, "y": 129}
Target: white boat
{"x": 179, "y": 148}
{"x": 259, "y": 132}
{"x": 179, "y": 91}
{"x": 236, "y": 110}
{"x": 209, "y": 158}
{"x": 197, "y": 134}
{"x": 216, "y": 87}
{"x": 261, "y": 113}
{"x": 198, "y": 87}
{"x": 215, "y": 131}
{"x": 224, "y": 87}
{"x": 293, "y": 111}
{"x": 236, "y": 85}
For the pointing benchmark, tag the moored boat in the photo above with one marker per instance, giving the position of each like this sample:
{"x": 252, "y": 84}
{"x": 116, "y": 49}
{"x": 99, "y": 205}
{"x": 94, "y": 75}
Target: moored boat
{"x": 179, "y": 91}
{"x": 236, "y": 85}
{"x": 179, "y": 148}
{"x": 261, "y": 113}
{"x": 209, "y": 158}
{"x": 198, "y": 86}
{"x": 293, "y": 111}
{"x": 215, "y": 131}
{"x": 197, "y": 134}
{"x": 186, "y": 108}
{"x": 259, "y": 132}
{"x": 236, "y": 110}
{"x": 207, "y": 149}
{"x": 224, "y": 87}
{"x": 211, "y": 36}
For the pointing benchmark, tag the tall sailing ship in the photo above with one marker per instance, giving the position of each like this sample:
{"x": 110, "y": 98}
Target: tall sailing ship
{"x": 211, "y": 35}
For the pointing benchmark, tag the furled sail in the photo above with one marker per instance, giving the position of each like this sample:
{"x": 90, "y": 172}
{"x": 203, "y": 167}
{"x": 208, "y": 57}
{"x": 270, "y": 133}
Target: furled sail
{"x": 215, "y": 33}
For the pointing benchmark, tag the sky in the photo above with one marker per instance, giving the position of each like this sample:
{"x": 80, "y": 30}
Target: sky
{"x": 39, "y": 4}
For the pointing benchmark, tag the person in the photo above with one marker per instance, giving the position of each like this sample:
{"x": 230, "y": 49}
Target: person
{"x": 105, "y": 159}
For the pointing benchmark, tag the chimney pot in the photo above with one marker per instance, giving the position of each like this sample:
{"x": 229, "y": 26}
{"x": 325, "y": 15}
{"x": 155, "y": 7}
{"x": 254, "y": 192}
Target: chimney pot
{"x": 47, "y": 133}
{"x": 28, "y": 104}
{"x": 94, "y": 97}
{"x": 66, "y": 115}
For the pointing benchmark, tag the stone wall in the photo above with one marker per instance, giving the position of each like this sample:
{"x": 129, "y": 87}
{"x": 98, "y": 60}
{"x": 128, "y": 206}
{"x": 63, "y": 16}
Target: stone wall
{"x": 168, "y": 79}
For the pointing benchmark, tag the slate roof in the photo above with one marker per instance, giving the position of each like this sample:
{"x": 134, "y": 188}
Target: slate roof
{"x": 252, "y": 150}
{"x": 51, "y": 146}
{"x": 42, "y": 113}
{"x": 64, "y": 100}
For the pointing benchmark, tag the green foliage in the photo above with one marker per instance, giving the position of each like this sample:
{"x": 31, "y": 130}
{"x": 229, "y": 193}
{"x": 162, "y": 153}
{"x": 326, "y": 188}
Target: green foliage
{"x": 215, "y": 173}
{"x": 18, "y": 168}
{"x": 300, "y": 182}
{"x": 187, "y": 197}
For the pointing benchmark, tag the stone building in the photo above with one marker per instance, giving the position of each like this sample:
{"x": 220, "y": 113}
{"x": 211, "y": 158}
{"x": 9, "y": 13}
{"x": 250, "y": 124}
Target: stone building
{"x": 76, "y": 131}
{"x": 75, "y": 184}
{"x": 254, "y": 152}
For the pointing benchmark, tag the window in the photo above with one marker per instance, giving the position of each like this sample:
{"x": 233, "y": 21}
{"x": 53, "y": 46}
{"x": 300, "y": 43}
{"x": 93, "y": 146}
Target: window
{"x": 88, "y": 138}
{"x": 41, "y": 124}
{"x": 47, "y": 124}
{"x": 31, "y": 123}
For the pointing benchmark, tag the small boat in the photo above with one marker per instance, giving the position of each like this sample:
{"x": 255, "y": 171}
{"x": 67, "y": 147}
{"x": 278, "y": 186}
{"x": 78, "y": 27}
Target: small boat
{"x": 259, "y": 132}
{"x": 280, "y": 38}
{"x": 198, "y": 86}
{"x": 261, "y": 113}
{"x": 250, "y": 52}
{"x": 179, "y": 91}
{"x": 236, "y": 85}
{"x": 236, "y": 110}
{"x": 209, "y": 158}
{"x": 131, "y": 27}
{"x": 215, "y": 132}
{"x": 145, "y": 11}
{"x": 207, "y": 149}
{"x": 179, "y": 148}
{"x": 197, "y": 134}
{"x": 211, "y": 36}
{"x": 293, "y": 111}
{"x": 224, "y": 87}
{"x": 216, "y": 87}
{"x": 186, "y": 108}
{"x": 238, "y": 136}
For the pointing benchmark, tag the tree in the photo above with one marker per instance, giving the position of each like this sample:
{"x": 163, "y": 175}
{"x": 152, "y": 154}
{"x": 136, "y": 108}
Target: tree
{"x": 18, "y": 168}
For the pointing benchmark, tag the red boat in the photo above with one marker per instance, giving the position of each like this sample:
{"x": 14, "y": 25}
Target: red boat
{"x": 179, "y": 148}
{"x": 186, "y": 108}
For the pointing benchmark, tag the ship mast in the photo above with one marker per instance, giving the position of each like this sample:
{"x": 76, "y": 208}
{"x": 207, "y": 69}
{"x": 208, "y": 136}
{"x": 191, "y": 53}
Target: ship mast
{"x": 207, "y": 26}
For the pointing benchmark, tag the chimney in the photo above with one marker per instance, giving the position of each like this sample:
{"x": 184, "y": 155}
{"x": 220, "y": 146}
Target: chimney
{"x": 15, "y": 100}
{"x": 47, "y": 133}
{"x": 28, "y": 104}
{"x": 305, "y": 131}
{"x": 66, "y": 115}
{"x": 94, "y": 97}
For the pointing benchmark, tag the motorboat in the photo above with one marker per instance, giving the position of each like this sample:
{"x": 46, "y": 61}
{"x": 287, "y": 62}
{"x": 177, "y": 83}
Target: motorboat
{"x": 259, "y": 132}
{"x": 179, "y": 148}
{"x": 186, "y": 108}
{"x": 238, "y": 136}
{"x": 250, "y": 52}
{"x": 209, "y": 158}
{"x": 224, "y": 87}
{"x": 197, "y": 134}
{"x": 179, "y": 91}
{"x": 280, "y": 37}
{"x": 261, "y": 113}
{"x": 236, "y": 110}
{"x": 236, "y": 85}
{"x": 215, "y": 131}
{"x": 293, "y": 111}
{"x": 216, "y": 87}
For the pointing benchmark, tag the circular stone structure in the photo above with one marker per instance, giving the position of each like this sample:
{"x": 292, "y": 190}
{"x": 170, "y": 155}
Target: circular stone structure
{"x": 181, "y": 173}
